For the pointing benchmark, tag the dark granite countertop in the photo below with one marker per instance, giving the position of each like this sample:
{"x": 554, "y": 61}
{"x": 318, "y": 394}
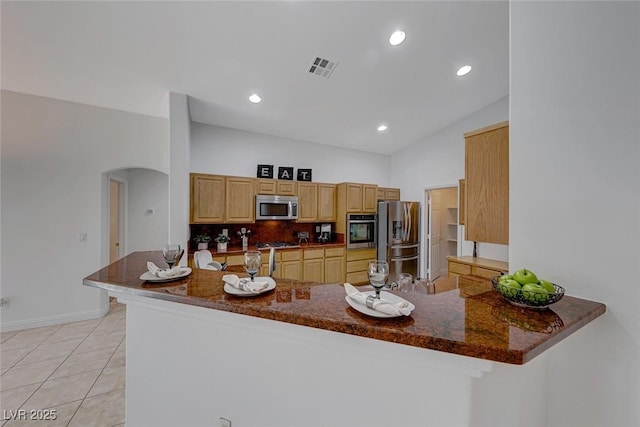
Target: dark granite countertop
{"x": 472, "y": 320}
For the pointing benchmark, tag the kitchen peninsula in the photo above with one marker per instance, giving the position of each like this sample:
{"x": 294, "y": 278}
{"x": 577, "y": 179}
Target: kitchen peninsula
{"x": 300, "y": 355}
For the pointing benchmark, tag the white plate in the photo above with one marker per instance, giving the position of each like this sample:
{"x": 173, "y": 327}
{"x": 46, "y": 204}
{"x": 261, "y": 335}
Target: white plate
{"x": 392, "y": 298}
{"x": 150, "y": 277}
{"x": 271, "y": 284}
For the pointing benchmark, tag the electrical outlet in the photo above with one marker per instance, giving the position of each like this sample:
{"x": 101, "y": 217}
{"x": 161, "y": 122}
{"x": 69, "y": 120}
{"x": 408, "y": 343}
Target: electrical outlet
{"x": 4, "y": 302}
{"x": 225, "y": 422}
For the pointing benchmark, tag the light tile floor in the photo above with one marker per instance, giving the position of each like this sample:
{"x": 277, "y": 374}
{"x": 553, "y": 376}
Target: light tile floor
{"x": 76, "y": 369}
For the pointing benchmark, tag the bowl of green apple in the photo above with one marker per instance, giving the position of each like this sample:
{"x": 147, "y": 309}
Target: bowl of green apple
{"x": 524, "y": 289}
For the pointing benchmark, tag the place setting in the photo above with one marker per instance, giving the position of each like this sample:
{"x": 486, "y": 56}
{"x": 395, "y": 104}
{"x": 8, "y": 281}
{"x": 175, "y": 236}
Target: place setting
{"x": 172, "y": 254}
{"x": 252, "y": 286}
{"x": 376, "y": 303}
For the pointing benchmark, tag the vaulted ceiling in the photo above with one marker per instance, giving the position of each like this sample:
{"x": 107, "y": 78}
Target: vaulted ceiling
{"x": 129, "y": 55}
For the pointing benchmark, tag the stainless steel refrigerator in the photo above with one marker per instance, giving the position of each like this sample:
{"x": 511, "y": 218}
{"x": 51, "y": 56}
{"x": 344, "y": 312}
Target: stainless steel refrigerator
{"x": 399, "y": 237}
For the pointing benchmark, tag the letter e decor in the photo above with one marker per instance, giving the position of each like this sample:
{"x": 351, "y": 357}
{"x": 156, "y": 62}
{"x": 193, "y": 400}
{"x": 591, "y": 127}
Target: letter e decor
{"x": 265, "y": 171}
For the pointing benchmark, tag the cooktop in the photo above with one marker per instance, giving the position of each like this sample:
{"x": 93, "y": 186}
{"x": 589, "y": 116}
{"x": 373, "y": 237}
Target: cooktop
{"x": 275, "y": 244}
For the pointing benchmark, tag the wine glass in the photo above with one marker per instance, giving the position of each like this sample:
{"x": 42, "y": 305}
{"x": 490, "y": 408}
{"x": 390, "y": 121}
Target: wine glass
{"x": 378, "y": 275}
{"x": 171, "y": 253}
{"x": 405, "y": 282}
{"x": 252, "y": 262}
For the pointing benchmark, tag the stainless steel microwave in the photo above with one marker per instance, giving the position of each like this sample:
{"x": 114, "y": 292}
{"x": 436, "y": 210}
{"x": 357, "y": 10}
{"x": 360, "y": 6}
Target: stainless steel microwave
{"x": 276, "y": 207}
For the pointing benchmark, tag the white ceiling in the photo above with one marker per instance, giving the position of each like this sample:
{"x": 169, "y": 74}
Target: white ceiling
{"x": 129, "y": 55}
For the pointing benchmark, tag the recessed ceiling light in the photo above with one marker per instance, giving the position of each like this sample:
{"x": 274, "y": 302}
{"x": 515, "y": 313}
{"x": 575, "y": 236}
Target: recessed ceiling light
{"x": 382, "y": 128}
{"x": 397, "y": 38}
{"x": 255, "y": 98}
{"x": 464, "y": 70}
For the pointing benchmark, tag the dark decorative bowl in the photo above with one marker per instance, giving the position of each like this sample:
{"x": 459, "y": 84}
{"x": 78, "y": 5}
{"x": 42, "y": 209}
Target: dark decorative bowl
{"x": 527, "y": 300}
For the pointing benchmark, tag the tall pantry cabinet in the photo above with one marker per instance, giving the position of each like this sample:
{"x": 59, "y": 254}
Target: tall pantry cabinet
{"x": 487, "y": 184}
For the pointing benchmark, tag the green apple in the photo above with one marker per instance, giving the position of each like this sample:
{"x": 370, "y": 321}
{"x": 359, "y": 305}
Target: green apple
{"x": 547, "y": 285}
{"x": 509, "y": 288}
{"x": 525, "y": 276}
{"x": 535, "y": 294}
{"x": 505, "y": 277}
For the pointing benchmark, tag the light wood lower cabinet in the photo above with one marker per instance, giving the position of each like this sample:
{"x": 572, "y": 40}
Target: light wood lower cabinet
{"x": 358, "y": 265}
{"x": 334, "y": 265}
{"x": 481, "y": 267}
{"x": 313, "y": 265}
{"x": 289, "y": 266}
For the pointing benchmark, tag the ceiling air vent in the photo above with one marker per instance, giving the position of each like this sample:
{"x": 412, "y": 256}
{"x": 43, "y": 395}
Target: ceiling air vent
{"x": 322, "y": 67}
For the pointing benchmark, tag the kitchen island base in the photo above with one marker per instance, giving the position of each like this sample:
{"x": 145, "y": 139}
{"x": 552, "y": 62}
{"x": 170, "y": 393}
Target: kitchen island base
{"x": 190, "y": 365}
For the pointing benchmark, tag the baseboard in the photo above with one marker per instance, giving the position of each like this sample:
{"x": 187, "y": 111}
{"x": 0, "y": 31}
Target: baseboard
{"x": 55, "y": 320}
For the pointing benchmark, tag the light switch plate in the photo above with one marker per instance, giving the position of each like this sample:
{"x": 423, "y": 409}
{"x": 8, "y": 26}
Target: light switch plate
{"x": 225, "y": 422}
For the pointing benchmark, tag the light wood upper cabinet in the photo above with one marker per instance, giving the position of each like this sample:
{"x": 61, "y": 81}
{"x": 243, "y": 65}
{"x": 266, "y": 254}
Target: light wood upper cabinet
{"x": 390, "y": 194}
{"x": 240, "y": 200}
{"x": 207, "y": 198}
{"x": 316, "y": 202}
{"x": 461, "y": 201}
{"x": 307, "y": 201}
{"x": 265, "y": 186}
{"x": 276, "y": 186}
{"x": 326, "y": 202}
{"x": 369, "y": 198}
{"x": 357, "y": 198}
{"x": 354, "y": 197}
{"x": 487, "y": 184}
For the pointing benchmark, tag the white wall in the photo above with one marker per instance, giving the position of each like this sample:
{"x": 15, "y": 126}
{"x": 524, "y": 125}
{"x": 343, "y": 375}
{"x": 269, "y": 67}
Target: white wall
{"x": 147, "y": 189}
{"x": 54, "y": 154}
{"x": 575, "y": 123}
{"x": 226, "y": 151}
{"x": 438, "y": 160}
{"x": 179, "y": 148}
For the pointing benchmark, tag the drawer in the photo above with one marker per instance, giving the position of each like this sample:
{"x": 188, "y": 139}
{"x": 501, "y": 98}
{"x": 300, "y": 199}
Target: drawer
{"x": 360, "y": 254}
{"x": 291, "y": 255}
{"x": 484, "y": 272}
{"x": 358, "y": 278}
{"x": 313, "y": 253}
{"x": 467, "y": 280}
{"x": 331, "y": 252}
{"x": 362, "y": 265}
{"x": 454, "y": 267}
{"x": 235, "y": 259}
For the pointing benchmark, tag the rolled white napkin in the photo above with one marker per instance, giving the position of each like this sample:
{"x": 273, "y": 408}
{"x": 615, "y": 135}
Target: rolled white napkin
{"x": 245, "y": 284}
{"x": 380, "y": 305}
{"x": 164, "y": 274}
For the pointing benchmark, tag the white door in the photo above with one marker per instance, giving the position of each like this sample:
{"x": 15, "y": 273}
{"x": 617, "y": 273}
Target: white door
{"x": 435, "y": 204}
